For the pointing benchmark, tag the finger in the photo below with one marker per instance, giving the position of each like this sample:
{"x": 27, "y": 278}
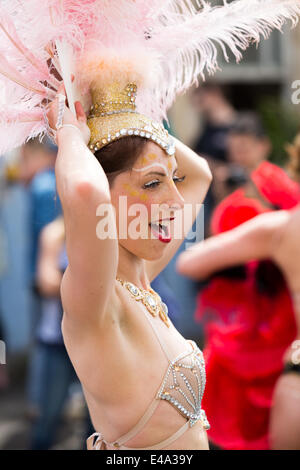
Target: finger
{"x": 80, "y": 114}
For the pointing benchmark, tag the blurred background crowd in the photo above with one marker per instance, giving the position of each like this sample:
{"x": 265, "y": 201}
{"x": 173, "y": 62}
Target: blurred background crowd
{"x": 247, "y": 125}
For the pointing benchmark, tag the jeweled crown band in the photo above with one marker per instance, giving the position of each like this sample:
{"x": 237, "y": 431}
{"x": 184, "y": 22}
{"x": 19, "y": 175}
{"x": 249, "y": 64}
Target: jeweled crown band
{"x": 113, "y": 116}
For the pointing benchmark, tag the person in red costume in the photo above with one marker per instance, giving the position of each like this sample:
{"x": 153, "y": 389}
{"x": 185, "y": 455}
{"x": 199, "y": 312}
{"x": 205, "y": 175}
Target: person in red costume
{"x": 248, "y": 316}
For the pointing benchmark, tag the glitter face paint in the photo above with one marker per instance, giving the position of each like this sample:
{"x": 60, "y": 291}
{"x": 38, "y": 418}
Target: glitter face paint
{"x": 133, "y": 192}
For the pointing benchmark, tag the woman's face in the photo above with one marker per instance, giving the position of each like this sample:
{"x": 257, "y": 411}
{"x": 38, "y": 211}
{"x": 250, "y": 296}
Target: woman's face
{"x": 146, "y": 199}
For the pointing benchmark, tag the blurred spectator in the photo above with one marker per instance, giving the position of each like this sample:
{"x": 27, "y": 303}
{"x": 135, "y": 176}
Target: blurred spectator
{"x": 37, "y": 173}
{"x": 248, "y": 143}
{"x": 3, "y": 266}
{"x": 247, "y": 146}
{"x": 212, "y": 101}
{"x": 53, "y": 371}
{"x": 259, "y": 185}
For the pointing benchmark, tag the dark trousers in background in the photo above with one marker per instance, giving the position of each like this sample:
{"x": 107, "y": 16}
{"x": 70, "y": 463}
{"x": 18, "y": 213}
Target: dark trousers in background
{"x": 52, "y": 374}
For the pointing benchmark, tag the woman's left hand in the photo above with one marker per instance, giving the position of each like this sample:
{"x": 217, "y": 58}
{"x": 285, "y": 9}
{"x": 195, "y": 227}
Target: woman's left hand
{"x": 79, "y": 121}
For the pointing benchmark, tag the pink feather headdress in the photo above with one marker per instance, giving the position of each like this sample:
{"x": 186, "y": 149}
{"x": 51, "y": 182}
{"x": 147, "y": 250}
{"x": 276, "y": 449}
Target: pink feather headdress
{"x": 162, "y": 45}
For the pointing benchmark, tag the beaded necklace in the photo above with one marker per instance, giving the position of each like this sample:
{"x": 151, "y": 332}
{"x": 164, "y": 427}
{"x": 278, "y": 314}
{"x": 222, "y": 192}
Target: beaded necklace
{"x": 150, "y": 299}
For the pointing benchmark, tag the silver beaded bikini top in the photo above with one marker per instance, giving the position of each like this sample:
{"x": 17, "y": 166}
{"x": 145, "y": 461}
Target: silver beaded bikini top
{"x": 184, "y": 382}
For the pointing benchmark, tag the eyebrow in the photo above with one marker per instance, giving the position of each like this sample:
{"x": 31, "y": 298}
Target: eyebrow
{"x": 158, "y": 173}
{"x": 155, "y": 173}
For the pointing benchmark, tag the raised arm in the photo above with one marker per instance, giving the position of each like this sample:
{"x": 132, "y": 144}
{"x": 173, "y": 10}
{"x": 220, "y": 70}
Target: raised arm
{"x": 254, "y": 239}
{"x": 193, "y": 190}
{"x": 82, "y": 186}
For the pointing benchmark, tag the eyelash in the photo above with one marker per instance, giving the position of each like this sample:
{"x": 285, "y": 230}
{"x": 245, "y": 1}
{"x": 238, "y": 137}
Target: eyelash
{"x": 156, "y": 183}
{"x": 176, "y": 179}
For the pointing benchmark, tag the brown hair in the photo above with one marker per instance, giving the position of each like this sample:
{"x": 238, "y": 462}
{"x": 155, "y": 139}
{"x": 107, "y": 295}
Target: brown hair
{"x": 120, "y": 156}
{"x": 248, "y": 123}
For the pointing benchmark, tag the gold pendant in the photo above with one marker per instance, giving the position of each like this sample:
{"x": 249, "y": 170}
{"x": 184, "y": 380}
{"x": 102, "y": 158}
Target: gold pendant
{"x": 150, "y": 299}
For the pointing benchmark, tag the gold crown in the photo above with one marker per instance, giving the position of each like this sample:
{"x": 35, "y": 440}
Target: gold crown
{"x": 113, "y": 116}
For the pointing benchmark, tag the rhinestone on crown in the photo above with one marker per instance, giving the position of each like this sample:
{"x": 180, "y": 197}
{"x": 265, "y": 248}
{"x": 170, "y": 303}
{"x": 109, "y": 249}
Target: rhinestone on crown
{"x": 113, "y": 116}
{"x": 114, "y": 100}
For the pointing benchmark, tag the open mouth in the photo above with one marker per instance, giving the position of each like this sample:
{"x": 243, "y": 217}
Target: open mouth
{"x": 161, "y": 230}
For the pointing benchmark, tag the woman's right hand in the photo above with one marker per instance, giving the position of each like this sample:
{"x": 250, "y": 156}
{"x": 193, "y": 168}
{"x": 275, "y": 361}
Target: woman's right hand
{"x": 79, "y": 121}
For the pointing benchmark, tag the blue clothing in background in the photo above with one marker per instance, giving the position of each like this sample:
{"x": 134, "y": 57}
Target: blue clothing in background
{"x": 15, "y": 297}
{"x": 63, "y": 259}
{"x": 53, "y": 375}
{"x": 45, "y": 207}
{"x": 49, "y": 325}
{"x": 51, "y": 370}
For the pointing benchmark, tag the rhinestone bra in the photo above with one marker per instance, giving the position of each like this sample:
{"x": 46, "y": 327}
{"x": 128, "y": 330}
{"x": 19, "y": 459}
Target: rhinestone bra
{"x": 184, "y": 383}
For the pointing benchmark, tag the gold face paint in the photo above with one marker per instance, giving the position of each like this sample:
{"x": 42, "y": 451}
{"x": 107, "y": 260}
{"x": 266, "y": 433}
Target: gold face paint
{"x": 133, "y": 192}
{"x": 151, "y": 157}
{"x": 148, "y": 158}
{"x": 144, "y": 197}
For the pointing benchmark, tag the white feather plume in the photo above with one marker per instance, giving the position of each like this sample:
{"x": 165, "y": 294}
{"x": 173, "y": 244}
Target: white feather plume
{"x": 168, "y": 43}
{"x": 191, "y": 42}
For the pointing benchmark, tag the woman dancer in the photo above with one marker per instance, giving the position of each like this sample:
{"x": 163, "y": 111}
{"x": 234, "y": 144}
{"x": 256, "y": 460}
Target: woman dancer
{"x": 105, "y": 322}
